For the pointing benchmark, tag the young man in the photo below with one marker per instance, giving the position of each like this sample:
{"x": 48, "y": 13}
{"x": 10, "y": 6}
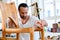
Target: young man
{"x": 26, "y": 21}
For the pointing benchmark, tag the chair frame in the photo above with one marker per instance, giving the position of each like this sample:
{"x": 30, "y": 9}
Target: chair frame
{"x": 15, "y": 30}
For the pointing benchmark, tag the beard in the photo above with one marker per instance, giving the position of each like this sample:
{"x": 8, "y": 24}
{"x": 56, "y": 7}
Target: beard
{"x": 23, "y": 17}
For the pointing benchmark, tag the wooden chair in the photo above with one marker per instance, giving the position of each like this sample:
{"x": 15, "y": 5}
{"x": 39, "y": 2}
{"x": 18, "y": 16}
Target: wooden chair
{"x": 36, "y": 13}
{"x": 9, "y": 10}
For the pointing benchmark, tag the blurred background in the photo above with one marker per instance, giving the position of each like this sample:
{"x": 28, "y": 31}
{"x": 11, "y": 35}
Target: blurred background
{"x": 48, "y": 10}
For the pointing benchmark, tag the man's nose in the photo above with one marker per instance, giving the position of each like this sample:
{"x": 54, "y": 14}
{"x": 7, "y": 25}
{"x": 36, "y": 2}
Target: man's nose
{"x": 24, "y": 14}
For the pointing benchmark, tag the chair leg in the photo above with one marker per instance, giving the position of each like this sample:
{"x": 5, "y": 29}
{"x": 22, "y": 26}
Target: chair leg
{"x": 42, "y": 34}
{"x": 32, "y": 35}
{"x": 3, "y": 36}
{"x": 17, "y": 36}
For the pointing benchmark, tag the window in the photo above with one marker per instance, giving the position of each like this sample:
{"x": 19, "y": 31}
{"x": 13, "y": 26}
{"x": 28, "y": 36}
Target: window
{"x": 50, "y": 11}
{"x": 57, "y": 7}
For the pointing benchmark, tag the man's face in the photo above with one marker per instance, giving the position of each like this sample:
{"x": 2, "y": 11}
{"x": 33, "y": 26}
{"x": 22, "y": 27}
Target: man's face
{"x": 23, "y": 12}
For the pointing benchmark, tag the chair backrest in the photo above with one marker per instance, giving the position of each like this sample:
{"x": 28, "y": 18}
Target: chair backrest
{"x": 8, "y": 10}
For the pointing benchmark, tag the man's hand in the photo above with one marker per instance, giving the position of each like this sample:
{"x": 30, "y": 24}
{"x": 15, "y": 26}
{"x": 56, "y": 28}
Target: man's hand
{"x": 41, "y": 23}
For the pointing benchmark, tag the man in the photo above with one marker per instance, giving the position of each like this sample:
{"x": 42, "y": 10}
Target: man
{"x": 26, "y": 21}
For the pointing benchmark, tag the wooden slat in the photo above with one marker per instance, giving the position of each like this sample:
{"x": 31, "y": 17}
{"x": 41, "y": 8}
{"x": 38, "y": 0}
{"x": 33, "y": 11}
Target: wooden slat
{"x": 18, "y": 30}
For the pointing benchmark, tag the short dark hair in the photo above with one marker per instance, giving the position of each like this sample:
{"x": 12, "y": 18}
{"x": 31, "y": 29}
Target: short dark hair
{"x": 22, "y": 5}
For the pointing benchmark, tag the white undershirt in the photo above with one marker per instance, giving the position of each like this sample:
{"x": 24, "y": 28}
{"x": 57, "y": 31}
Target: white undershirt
{"x": 30, "y": 23}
